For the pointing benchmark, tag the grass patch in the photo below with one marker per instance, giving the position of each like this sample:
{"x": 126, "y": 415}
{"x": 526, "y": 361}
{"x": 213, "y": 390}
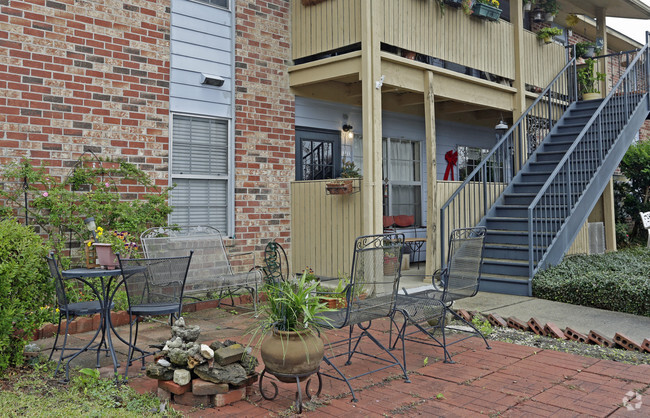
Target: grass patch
{"x": 618, "y": 281}
{"x": 32, "y": 391}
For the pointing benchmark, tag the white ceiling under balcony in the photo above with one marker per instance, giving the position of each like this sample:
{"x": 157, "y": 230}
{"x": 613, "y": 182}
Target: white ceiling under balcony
{"x": 632, "y": 9}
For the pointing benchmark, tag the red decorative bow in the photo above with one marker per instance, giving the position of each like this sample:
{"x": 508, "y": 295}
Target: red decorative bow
{"x": 451, "y": 157}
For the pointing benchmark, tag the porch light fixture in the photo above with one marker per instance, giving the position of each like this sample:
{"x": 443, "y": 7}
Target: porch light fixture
{"x": 500, "y": 129}
{"x": 348, "y": 133}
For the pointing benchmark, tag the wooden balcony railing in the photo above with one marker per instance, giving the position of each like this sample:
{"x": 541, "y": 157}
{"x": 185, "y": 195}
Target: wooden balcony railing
{"x": 419, "y": 26}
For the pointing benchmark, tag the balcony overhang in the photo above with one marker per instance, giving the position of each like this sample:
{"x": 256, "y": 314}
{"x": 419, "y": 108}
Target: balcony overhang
{"x": 631, "y": 9}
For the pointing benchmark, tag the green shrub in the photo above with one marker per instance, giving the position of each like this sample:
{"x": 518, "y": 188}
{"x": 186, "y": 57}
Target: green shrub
{"x": 25, "y": 287}
{"x": 617, "y": 281}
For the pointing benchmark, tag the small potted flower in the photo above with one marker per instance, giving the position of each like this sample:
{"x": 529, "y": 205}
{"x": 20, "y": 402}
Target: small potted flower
{"x": 348, "y": 171}
{"x": 107, "y": 244}
{"x": 486, "y": 9}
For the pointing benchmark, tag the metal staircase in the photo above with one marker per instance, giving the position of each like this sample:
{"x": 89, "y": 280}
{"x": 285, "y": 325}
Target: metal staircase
{"x": 567, "y": 151}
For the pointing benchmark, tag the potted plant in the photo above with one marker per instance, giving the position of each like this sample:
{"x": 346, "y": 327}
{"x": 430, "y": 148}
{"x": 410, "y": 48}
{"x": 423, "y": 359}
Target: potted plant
{"x": 551, "y": 9}
{"x": 528, "y": 5}
{"x": 110, "y": 243}
{"x": 588, "y": 80}
{"x": 547, "y": 34}
{"x": 586, "y": 49}
{"x": 348, "y": 171}
{"x": 486, "y": 9}
{"x": 454, "y": 3}
{"x": 287, "y": 329}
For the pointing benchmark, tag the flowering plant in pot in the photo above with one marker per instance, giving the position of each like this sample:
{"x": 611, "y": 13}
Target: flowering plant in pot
{"x": 588, "y": 80}
{"x": 107, "y": 244}
{"x": 287, "y": 329}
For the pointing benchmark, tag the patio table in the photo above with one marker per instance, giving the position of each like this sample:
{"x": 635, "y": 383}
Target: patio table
{"x": 110, "y": 282}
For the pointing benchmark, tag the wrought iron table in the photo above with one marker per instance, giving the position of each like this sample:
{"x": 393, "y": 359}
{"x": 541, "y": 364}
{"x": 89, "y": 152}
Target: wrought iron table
{"x": 109, "y": 284}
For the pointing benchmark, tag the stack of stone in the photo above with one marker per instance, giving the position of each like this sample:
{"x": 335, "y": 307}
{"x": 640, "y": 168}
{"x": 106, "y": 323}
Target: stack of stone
{"x": 196, "y": 374}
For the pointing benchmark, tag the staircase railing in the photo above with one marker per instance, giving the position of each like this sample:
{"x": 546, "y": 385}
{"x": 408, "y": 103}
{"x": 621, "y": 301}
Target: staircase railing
{"x": 471, "y": 201}
{"x": 556, "y": 200}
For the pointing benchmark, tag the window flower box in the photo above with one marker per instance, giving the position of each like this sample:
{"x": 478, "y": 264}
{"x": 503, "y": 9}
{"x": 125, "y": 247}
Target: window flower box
{"x": 485, "y": 11}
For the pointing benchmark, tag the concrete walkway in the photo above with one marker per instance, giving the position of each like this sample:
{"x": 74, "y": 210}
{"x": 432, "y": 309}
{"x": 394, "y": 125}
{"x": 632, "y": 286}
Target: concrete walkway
{"x": 508, "y": 380}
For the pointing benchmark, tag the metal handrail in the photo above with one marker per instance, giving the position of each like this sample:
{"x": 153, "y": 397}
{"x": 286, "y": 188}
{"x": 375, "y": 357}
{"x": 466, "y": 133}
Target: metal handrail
{"x": 496, "y": 170}
{"x": 592, "y": 141}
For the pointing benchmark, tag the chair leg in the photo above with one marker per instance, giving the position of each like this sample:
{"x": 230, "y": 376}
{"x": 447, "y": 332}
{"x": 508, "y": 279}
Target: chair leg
{"x": 56, "y": 339}
{"x": 487, "y": 345}
{"x": 380, "y": 345}
{"x": 129, "y": 354}
{"x": 354, "y": 398}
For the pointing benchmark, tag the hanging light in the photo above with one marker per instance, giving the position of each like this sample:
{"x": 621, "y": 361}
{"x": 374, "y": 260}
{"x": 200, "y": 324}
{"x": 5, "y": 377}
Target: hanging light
{"x": 348, "y": 133}
{"x": 500, "y": 129}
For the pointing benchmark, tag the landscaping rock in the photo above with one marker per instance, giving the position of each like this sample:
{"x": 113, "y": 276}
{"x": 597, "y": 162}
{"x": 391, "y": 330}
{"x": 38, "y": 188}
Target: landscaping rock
{"x": 232, "y": 373}
{"x": 182, "y": 377}
{"x": 178, "y": 356}
{"x": 229, "y": 354}
{"x": 187, "y": 334}
{"x": 249, "y": 363}
{"x": 216, "y": 345}
{"x": 207, "y": 352}
{"x": 156, "y": 371}
{"x": 164, "y": 363}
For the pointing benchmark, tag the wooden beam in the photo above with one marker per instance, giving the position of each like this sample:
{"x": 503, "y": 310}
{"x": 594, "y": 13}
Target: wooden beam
{"x": 450, "y": 107}
{"x": 303, "y": 74}
{"x": 432, "y": 204}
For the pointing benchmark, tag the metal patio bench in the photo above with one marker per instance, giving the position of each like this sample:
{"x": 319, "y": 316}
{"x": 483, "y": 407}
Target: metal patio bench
{"x": 370, "y": 295}
{"x": 427, "y": 310}
{"x": 210, "y": 270}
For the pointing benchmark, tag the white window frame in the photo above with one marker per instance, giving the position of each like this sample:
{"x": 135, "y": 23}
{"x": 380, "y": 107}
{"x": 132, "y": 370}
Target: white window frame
{"x": 229, "y": 177}
{"x": 216, "y": 6}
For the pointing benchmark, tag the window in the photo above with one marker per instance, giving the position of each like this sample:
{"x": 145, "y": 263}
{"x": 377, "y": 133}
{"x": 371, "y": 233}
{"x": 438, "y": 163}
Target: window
{"x": 402, "y": 171}
{"x": 498, "y": 167}
{"x": 318, "y": 154}
{"x": 219, "y": 3}
{"x": 200, "y": 170}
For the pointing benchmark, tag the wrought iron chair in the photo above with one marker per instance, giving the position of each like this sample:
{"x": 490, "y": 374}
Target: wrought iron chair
{"x": 276, "y": 265}
{"x": 211, "y": 270}
{"x": 427, "y": 310}
{"x": 154, "y": 286}
{"x": 369, "y": 295}
{"x": 70, "y": 311}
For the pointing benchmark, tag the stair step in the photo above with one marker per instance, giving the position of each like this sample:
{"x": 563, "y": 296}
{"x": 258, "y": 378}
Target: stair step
{"x": 506, "y": 237}
{"x": 506, "y": 251}
{"x": 505, "y": 267}
{"x": 549, "y": 156}
{"x": 510, "y": 285}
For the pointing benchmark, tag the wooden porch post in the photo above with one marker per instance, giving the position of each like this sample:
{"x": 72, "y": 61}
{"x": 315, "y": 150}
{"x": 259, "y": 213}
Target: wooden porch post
{"x": 608, "y": 193}
{"x": 433, "y": 216}
{"x": 519, "y": 103}
{"x": 371, "y": 221}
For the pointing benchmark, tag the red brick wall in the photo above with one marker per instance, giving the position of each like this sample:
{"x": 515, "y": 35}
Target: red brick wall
{"x": 84, "y": 76}
{"x": 264, "y": 124}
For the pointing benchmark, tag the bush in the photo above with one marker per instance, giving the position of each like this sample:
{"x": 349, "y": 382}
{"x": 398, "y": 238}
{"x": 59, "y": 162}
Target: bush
{"x": 615, "y": 281}
{"x": 25, "y": 287}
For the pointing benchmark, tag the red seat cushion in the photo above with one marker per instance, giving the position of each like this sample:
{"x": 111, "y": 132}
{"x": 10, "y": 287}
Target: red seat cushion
{"x": 404, "y": 220}
{"x": 388, "y": 221}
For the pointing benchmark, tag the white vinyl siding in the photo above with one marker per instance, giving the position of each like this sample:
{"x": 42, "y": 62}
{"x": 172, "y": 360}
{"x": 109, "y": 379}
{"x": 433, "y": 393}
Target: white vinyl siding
{"x": 199, "y": 167}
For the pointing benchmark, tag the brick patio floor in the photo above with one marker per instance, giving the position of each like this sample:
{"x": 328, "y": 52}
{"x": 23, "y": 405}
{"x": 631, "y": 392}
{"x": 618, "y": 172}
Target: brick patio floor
{"x": 509, "y": 380}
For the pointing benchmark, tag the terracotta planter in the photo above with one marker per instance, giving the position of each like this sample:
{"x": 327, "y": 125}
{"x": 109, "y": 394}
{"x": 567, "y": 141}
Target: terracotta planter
{"x": 105, "y": 256}
{"x": 333, "y": 302}
{"x": 339, "y": 187}
{"x": 287, "y": 353}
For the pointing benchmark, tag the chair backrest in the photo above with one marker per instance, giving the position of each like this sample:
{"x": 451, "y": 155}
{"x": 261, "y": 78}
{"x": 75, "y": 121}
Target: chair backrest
{"x": 61, "y": 297}
{"x": 276, "y": 265}
{"x": 210, "y": 261}
{"x": 374, "y": 280}
{"x": 464, "y": 262}
{"x": 155, "y": 280}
